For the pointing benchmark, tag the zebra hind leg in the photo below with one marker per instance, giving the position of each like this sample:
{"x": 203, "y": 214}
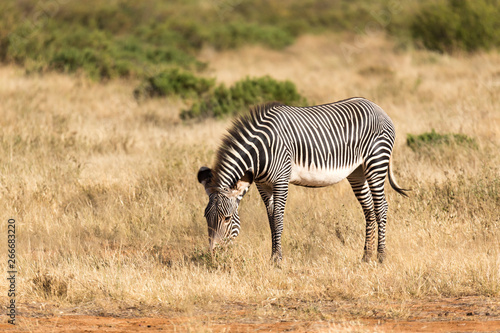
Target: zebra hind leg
{"x": 376, "y": 182}
{"x": 362, "y": 192}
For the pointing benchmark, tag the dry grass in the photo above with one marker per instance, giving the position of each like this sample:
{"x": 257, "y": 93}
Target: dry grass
{"x": 110, "y": 216}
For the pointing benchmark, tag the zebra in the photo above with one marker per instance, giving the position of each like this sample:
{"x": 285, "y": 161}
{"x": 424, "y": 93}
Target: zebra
{"x": 275, "y": 145}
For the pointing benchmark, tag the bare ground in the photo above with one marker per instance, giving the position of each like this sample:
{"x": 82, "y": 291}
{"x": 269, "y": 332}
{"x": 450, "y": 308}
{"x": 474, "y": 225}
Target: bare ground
{"x": 464, "y": 314}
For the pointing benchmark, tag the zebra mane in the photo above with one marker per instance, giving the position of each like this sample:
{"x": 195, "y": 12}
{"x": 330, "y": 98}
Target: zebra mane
{"x": 235, "y": 132}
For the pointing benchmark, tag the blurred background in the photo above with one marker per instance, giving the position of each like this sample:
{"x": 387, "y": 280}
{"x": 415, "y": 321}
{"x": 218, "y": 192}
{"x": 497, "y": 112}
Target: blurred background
{"x": 162, "y": 43}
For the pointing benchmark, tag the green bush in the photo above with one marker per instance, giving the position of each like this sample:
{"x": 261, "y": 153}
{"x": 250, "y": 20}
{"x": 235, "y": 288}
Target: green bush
{"x": 458, "y": 25}
{"x": 306, "y": 16}
{"x": 434, "y": 139}
{"x": 174, "y": 82}
{"x": 249, "y": 91}
{"x": 236, "y": 34}
{"x": 126, "y": 37}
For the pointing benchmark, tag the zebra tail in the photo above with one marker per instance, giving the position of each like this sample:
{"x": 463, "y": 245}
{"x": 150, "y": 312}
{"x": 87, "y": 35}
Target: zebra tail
{"x": 394, "y": 184}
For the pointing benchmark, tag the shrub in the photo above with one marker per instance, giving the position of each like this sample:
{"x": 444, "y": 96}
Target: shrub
{"x": 249, "y": 91}
{"x": 458, "y": 24}
{"x": 121, "y": 38}
{"x": 434, "y": 139}
{"x": 236, "y": 34}
{"x": 174, "y": 82}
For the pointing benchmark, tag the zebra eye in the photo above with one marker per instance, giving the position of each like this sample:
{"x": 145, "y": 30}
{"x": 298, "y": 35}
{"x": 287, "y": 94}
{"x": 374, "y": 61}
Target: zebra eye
{"x": 227, "y": 219}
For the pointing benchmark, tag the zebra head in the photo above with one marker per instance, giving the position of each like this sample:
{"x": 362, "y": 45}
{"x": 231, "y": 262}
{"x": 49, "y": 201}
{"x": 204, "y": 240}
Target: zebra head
{"x": 222, "y": 209}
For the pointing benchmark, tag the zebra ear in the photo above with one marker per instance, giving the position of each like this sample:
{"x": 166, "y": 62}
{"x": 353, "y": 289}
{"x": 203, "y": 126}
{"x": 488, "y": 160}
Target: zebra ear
{"x": 205, "y": 176}
{"x": 243, "y": 184}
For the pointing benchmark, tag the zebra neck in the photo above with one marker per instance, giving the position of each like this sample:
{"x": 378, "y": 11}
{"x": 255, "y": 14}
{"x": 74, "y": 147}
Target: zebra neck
{"x": 231, "y": 169}
{"x": 233, "y": 161}
{"x": 246, "y": 146}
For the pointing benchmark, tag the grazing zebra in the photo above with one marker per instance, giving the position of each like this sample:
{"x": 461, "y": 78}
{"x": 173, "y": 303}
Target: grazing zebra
{"x": 315, "y": 146}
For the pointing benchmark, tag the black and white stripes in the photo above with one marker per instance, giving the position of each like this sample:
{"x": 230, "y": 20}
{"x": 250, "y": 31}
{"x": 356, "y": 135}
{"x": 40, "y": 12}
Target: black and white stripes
{"x": 313, "y": 146}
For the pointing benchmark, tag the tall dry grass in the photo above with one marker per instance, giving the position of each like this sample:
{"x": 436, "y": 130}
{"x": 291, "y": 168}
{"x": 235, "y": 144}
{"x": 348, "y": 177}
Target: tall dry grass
{"x": 110, "y": 215}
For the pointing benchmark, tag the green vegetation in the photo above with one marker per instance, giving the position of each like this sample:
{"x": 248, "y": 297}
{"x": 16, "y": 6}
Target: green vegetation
{"x": 219, "y": 101}
{"x": 103, "y": 40}
{"x": 434, "y": 139}
{"x": 174, "y": 82}
{"x": 458, "y": 25}
{"x": 237, "y": 34}
{"x": 127, "y": 38}
{"x": 224, "y": 101}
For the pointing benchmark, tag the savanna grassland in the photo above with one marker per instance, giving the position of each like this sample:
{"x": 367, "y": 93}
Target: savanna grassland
{"x": 109, "y": 214}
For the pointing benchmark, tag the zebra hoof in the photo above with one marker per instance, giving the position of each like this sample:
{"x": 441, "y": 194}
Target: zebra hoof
{"x": 276, "y": 261}
{"x": 381, "y": 257}
{"x": 367, "y": 257}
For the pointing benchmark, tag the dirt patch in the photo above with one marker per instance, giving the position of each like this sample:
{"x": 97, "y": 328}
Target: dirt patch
{"x": 468, "y": 314}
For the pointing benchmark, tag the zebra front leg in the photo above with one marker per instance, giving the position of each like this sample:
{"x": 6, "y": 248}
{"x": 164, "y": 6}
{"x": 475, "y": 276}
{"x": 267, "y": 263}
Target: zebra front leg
{"x": 274, "y": 197}
{"x": 266, "y": 193}
{"x": 280, "y": 194}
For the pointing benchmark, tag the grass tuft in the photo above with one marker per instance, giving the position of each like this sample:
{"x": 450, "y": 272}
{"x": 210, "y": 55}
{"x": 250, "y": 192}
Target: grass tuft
{"x": 48, "y": 285}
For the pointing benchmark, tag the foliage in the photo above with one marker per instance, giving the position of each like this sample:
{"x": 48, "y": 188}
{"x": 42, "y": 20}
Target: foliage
{"x": 237, "y": 34}
{"x": 122, "y": 38}
{"x": 218, "y": 101}
{"x": 174, "y": 82}
{"x": 249, "y": 91}
{"x": 458, "y": 24}
{"x": 125, "y": 38}
{"x": 102, "y": 55}
{"x": 434, "y": 139}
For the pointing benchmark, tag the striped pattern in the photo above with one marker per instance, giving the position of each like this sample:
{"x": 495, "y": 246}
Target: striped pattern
{"x": 316, "y": 146}
{"x": 225, "y": 214}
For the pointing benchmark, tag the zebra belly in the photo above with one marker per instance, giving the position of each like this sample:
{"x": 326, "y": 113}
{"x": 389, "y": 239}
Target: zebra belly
{"x": 319, "y": 177}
